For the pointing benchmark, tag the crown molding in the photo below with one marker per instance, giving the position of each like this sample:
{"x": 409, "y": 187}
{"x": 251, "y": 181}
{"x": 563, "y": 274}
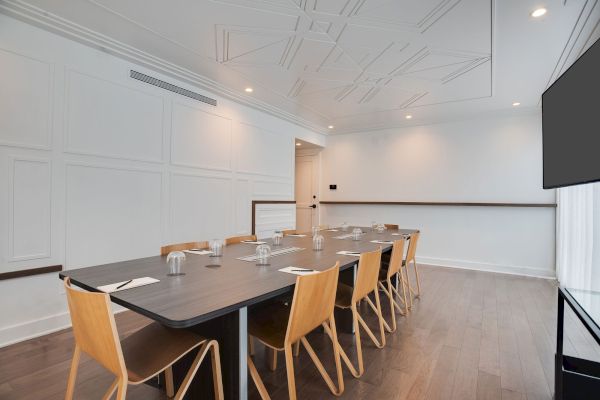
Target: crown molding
{"x": 55, "y": 24}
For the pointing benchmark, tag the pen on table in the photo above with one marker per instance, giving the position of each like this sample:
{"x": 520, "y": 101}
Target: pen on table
{"x": 124, "y": 284}
{"x": 303, "y": 270}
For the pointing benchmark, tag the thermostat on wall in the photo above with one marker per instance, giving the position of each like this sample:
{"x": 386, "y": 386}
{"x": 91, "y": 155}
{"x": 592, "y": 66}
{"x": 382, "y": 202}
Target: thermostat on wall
{"x": 332, "y": 187}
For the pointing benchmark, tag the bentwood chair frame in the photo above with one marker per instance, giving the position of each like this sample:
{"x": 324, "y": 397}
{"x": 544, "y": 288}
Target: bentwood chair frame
{"x": 239, "y": 239}
{"x": 395, "y": 270}
{"x": 411, "y": 258}
{"x": 312, "y": 306}
{"x": 289, "y": 232}
{"x": 182, "y": 247}
{"x": 366, "y": 283}
{"x": 139, "y": 357}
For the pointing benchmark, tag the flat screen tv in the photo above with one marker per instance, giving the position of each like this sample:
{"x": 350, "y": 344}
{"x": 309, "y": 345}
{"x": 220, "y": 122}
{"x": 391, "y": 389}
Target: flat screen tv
{"x": 571, "y": 124}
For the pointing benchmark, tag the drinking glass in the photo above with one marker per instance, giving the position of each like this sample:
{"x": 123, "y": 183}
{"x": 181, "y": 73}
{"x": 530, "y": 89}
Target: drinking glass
{"x": 356, "y": 233}
{"x": 216, "y": 247}
{"x": 345, "y": 227}
{"x": 263, "y": 253}
{"x": 380, "y": 228}
{"x": 277, "y": 238}
{"x": 174, "y": 261}
{"x": 315, "y": 231}
{"x": 318, "y": 241}
{"x": 374, "y": 225}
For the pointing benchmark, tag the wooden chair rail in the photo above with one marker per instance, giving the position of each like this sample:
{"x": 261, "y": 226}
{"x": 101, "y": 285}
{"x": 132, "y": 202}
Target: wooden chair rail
{"x": 439, "y": 203}
{"x": 30, "y": 272}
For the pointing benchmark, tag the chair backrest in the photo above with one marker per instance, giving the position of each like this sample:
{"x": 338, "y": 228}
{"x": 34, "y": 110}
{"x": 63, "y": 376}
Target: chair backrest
{"x": 323, "y": 227}
{"x": 94, "y": 328}
{"x": 396, "y": 258}
{"x": 238, "y": 239}
{"x": 412, "y": 246}
{"x": 313, "y": 303}
{"x": 368, "y": 274}
{"x": 289, "y": 232}
{"x": 182, "y": 246}
{"x": 391, "y": 226}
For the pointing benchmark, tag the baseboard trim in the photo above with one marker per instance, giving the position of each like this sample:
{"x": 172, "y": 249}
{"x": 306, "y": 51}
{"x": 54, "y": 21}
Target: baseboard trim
{"x": 486, "y": 267}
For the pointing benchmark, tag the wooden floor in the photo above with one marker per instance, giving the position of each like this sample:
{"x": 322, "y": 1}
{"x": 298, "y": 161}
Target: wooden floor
{"x": 472, "y": 335}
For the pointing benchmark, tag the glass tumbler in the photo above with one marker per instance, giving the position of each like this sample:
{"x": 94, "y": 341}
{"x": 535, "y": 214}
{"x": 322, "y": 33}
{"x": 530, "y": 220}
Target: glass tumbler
{"x": 216, "y": 247}
{"x": 318, "y": 241}
{"x": 315, "y": 231}
{"x": 345, "y": 227}
{"x": 174, "y": 261}
{"x": 277, "y": 238}
{"x": 263, "y": 253}
{"x": 356, "y": 234}
{"x": 380, "y": 228}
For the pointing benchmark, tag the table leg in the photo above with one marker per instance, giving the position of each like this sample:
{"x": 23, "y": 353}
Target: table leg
{"x": 558, "y": 358}
{"x": 243, "y": 353}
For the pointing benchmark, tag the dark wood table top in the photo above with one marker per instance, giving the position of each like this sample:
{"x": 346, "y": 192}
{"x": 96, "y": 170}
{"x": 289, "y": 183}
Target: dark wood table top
{"x": 207, "y": 291}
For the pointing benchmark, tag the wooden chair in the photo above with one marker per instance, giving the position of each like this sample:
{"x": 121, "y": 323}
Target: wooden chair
{"x": 385, "y": 277}
{"x": 141, "y": 356}
{"x": 279, "y": 327}
{"x": 238, "y": 239}
{"x": 410, "y": 258}
{"x": 391, "y": 226}
{"x": 323, "y": 227}
{"x": 182, "y": 246}
{"x": 348, "y": 297}
{"x": 289, "y": 232}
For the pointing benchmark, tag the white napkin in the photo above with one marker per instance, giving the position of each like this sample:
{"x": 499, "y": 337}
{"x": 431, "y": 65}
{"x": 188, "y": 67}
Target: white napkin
{"x": 400, "y": 234}
{"x": 137, "y": 282}
{"x": 382, "y": 241}
{"x": 296, "y": 235}
{"x": 253, "y": 242}
{"x": 297, "y": 270}
{"x": 199, "y": 252}
{"x": 333, "y": 230}
{"x": 348, "y": 253}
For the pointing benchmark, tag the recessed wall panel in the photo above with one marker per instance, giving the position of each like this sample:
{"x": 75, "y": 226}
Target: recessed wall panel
{"x": 25, "y": 100}
{"x": 263, "y": 152}
{"x": 30, "y": 209}
{"x": 108, "y": 119}
{"x": 200, "y": 139}
{"x": 112, "y": 214}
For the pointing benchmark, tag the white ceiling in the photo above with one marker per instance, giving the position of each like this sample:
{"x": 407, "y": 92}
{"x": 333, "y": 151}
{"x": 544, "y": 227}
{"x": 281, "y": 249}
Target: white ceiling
{"x": 355, "y": 64}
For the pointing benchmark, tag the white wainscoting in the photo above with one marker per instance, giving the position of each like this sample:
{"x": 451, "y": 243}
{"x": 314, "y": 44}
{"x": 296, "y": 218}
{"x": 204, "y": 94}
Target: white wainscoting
{"x": 99, "y": 168}
{"x": 272, "y": 217}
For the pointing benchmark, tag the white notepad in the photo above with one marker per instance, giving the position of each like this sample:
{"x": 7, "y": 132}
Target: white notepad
{"x": 297, "y": 270}
{"x": 253, "y": 242}
{"x": 382, "y": 241}
{"x": 333, "y": 230}
{"x": 348, "y": 253}
{"x": 198, "y": 252}
{"x": 400, "y": 234}
{"x": 296, "y": 235}
{"x": 137, "y": 282}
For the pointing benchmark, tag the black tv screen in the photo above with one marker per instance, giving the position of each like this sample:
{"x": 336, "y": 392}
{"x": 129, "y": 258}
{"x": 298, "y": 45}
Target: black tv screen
{"x": 571, "y": 124}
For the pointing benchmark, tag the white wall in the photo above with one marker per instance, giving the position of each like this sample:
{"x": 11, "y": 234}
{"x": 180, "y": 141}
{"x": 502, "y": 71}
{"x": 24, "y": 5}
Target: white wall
{"x": 96, "y": 167}
{"x": 483, "y": 160}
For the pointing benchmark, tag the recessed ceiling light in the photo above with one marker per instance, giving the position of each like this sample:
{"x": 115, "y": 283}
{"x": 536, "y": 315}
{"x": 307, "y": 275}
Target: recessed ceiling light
{"x": 249, "y": 90}
{"x": 298, "y": 144}
{"x": 408, "y": 117}
{"x": 330, "y": 126}
{"x": 538, "y": 12}
{"x": 516, "y": 103}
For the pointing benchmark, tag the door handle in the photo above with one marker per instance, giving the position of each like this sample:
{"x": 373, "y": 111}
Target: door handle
{"x": 313, "y": 206}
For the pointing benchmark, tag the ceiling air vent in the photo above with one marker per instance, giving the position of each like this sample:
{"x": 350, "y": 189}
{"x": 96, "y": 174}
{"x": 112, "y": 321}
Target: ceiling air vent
{"x": 172, "y": 88}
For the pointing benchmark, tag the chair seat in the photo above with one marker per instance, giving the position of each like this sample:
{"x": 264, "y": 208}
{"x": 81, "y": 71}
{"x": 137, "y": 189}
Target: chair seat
{"x": 154, "y": 347}
{"x": 343, "y": 296}
{"x": 269, "y": 324}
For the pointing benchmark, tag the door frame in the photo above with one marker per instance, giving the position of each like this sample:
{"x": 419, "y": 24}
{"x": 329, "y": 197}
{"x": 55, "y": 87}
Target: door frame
{"x": 315, "y": 154}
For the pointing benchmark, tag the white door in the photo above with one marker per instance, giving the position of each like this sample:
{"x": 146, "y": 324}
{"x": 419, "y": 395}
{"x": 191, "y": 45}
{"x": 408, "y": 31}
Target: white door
{"x": 306, "y": 192}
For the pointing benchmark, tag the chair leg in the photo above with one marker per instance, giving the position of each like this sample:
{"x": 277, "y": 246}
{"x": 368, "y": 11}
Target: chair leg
{"x": 374, "y": 308}
{"x": 122, "y": 390}
{"x": 215, "y": 360}
{"x": 355, "y": 373}
{"x": 392, "y": 304}
{"x": 272, "y": 359}
{"x": 204, "y": 349}
{"x": 111, "y": 389}
{"x": 170, "y": 388}
{"x": 260, "y": 386}
{"x": 321, "y": 368}
{"x": 297, "y": 349}
{"x": 73, "y": 373}
{"x": 414, "y": 262}
{"x": 403, "y": 283}
{"x": 410, "y": 291}
{"x": 289, "y": 366}
{"x": 380, "y": 343}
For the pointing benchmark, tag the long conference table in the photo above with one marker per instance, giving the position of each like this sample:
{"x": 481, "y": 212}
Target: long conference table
{"x": 213, "y": 296}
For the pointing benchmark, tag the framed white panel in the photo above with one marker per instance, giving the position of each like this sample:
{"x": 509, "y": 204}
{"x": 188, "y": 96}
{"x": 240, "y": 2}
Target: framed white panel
{"x": 272, "y": 190}
{"x": 107, "y": 119}
{"x": 263, "y": 152}
{"x": 26, "y": 85}
{"x": 201, "y": 207}
{"x": 30, "y": 209}
{"x": 199, "y": 138}
{"x": 111, "y": 214}
{"x": 243, "y": 206}
{"x": 272, "y": 217}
